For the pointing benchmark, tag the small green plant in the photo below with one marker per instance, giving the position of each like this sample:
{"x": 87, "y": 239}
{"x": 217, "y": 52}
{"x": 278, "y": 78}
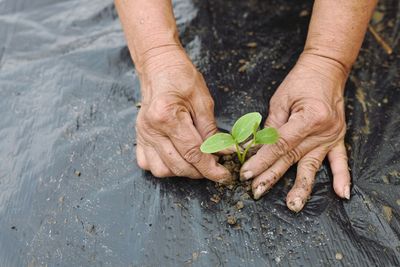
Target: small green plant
{"x": 244, "y": 127}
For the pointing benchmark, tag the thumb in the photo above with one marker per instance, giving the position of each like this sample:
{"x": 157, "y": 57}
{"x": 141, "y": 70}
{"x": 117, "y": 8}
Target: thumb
{"x": 278, "y": 114}
{"x": 204, "y": 119}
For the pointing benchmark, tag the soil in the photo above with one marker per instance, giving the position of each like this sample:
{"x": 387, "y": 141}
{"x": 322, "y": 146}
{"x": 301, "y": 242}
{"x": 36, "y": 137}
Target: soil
{"x": 236, "y": 194}
{"x": 232, "y": 163}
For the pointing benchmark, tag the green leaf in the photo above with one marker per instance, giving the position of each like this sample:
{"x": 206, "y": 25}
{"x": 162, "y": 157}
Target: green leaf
{"x": 244, "y": 126}
{"x": 217, "y": 142}
{"x": 267, "y": 136}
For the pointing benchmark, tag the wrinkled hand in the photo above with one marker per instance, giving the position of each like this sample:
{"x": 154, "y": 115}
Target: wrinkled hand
{"x": 308, "y": 111}
{"x": 176, "y": 115}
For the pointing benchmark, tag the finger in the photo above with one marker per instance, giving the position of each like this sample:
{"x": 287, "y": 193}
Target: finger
{"x": 340, "y": 170}
{"x": 187, "y": 141}
{"x": 266, "y": 180}
{"x": 204, "y": 119}
{"x": 141, "y": 157}
{"x": 271, "y": 176}
{"x": 157, "y": 166}
{"x": 174, "y": 161}
{"x": 278, "y": 115}
{"x": 306, "y": 171}
{"x": 291, "y": 134}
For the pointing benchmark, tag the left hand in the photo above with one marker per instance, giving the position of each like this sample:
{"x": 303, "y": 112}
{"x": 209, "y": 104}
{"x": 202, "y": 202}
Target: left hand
{"x": 308, "y": 111}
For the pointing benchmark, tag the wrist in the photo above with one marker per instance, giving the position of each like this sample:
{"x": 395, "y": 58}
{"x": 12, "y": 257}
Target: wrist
{"x": 329, "y": 67}
{"x": 166, "y": 68}
{"x": 154, "y": 48}
{"x": 328, "y": 57}
{"x": 163, "y": 59}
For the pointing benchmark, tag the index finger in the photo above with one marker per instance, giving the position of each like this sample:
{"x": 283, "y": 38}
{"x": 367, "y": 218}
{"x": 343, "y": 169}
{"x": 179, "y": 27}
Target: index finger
{"x": 290, "y": 136}
{"x": 187, "y": 141}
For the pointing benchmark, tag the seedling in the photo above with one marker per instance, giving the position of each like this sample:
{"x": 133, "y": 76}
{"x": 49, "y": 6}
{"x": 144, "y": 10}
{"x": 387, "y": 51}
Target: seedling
{"x": 244, "y": 127}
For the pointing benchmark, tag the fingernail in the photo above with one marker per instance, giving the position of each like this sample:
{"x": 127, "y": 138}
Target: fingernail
{"x": 296, "y": 204}
{"x": 346, "y": 191}
{"x": 246, "y": 175}
{"x": 258, "y": 192}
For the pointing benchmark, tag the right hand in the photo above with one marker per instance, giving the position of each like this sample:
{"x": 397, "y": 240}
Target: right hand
{"x": 176, "y": 116}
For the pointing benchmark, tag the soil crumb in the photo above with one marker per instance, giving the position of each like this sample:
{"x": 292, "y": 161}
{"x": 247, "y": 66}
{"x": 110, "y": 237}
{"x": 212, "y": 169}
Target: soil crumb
{"x": 215, "y": 198}
{"x": 339, "y": 256}
{"x": 239, "y": 205}
{"x": 387, "y": 213}
{"x": 230, "y": 219}
{"x": 251, "y": 45}
{"x": 360, "y": 95}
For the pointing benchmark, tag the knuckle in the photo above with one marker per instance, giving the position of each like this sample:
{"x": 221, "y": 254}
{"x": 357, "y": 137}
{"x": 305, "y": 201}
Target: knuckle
{"x": 340, "y": 130}
{"x": 310, "y": 164}
{"x": 280, "y": 148}
{"x": 160, "y": 172}
{"x": 210, "y": 104}
{"x": 320, "y": 114}
{"x": 321, "y": 117}
{"x": 210, "y": 128}
{"x": 177, "y": 171}
{"x": 342, "y": 157}
{"x": 296, "y": 154}
{"x": 141, "y": 163}
{"x": 140, "y": 123}
{"x": 292, "y": 156}
{"x": 161, "y": 111}
{"x": 263, "y": 160}
{"x": 193, "y": 155}
{"x": 272, "y": 120}
{"x": 274, "y": 176}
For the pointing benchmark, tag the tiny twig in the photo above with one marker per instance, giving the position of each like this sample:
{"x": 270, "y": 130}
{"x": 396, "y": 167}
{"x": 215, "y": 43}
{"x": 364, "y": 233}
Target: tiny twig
{"x": 388, "y": 49}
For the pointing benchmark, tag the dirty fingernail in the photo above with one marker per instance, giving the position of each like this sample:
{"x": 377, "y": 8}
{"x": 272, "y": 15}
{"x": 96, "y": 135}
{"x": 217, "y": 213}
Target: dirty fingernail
{"x": 296, "y": 204}
{"x": 258, "y": 192}
{"x": 246, "y": 175}
{"x": 346, "y": 191}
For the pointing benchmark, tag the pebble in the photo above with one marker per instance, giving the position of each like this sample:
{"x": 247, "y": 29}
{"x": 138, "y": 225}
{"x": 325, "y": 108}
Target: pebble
{"x": 227, "y": 157}
{"x": 339, "y": 256}
{"x": 245, "y": 196}
{"x": 231, "y": 219}
{"x": 387, "y": 213}
{"x": 230, "y": 186}
{"x": 251, "y": 45}
{"x": 304, "y": 13}
{"x": 215, "y": 198}
{"x": 239, "y": 205}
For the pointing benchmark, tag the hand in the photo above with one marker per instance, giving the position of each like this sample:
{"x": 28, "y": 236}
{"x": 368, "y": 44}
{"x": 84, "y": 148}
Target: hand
{"x": 308, "y": 111}
{"x": 176, "y": 115}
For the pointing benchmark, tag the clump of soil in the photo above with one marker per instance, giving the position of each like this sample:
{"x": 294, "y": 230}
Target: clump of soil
{"x": 237, "y": 194}
{"x": 232, "y": 163}
{"x": 230, "y": 219}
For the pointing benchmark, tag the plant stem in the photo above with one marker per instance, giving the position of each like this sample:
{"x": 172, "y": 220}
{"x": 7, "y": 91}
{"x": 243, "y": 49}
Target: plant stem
{"x": 238, "y": 153}
{"x": 247, "y": 149}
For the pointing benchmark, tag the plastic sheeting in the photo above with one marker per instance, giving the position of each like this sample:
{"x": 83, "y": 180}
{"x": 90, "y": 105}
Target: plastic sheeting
{"x": 71, "y": 193}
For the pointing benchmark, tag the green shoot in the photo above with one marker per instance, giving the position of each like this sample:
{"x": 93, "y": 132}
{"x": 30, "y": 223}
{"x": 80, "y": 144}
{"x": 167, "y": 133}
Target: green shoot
{"x": 244, "y": 128}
